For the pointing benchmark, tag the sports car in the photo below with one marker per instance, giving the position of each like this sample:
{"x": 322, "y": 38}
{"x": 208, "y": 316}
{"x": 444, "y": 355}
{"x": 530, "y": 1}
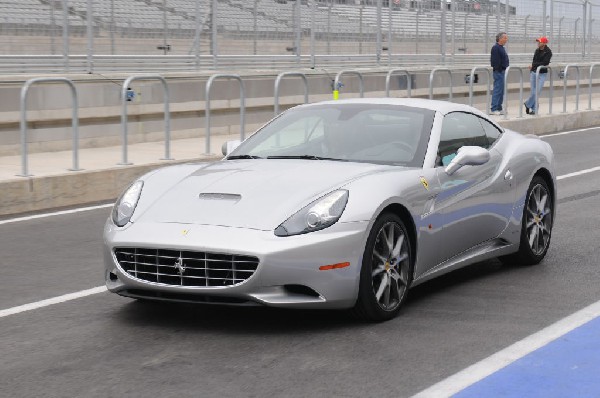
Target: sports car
{"x": 338, "y": 204}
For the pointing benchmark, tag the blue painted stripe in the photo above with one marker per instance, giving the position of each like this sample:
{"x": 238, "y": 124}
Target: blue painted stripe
{"x": 566, "y": 367}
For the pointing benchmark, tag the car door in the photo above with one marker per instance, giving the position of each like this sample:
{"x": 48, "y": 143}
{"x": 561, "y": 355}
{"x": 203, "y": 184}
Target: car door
{"x": 472, "y": 201}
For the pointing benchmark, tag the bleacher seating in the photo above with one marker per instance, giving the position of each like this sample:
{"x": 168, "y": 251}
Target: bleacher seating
{"x": 145, "y": 18}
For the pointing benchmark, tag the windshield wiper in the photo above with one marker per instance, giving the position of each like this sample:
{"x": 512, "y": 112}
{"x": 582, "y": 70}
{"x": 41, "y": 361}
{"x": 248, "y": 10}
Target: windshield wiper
{"x": 308, "y": 157}
{"x": 243, "y": 157}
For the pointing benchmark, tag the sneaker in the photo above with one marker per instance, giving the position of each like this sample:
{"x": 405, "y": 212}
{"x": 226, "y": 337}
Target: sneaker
{"x": 527, "y": 110}
{"x": 498, "y": 113}
{"x": 531, "y": 112}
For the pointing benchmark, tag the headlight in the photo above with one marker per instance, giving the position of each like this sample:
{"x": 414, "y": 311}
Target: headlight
{"x": 125, "y": 205}
{"x": 320, "y": 214}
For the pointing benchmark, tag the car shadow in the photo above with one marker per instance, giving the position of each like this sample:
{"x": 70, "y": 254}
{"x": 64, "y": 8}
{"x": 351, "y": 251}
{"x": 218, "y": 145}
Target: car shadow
{"x": 483, "y": 271}
{"x": 234, "y": 320}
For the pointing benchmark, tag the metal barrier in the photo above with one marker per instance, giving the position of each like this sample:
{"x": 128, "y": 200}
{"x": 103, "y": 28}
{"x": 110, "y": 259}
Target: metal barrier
{"x": 506, "y": 72}
{"x": 336, "y": 82}
{"x": 167, "y": 100}
{"x": 207, "y": 112}
{"x": 398, "y": 71}
{"x": 75, "y": 121}
{"x": 487, "y": 92}
{"x": 565, "y": 78}
{"x": 432, "y": 74}
{"x": 276, "y": 90}
{"x": 538, "y": 89}
{"x": 592, "y": 66}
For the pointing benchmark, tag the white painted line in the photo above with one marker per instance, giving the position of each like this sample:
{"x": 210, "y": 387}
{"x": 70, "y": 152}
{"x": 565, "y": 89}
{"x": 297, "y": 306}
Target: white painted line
{"x": 570, "y": 132}
{"x": 501, "y": 359}
{"x": 57, "y": 213}
{"x": 51, "y": 301}
{"x": 578, "y": 173}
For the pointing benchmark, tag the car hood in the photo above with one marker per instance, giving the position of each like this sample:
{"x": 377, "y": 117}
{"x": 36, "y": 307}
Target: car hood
{"x": 257, "y": 194}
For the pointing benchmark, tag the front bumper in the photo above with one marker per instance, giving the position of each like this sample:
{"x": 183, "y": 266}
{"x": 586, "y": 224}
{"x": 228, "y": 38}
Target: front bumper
{"x": 288, "y": 273}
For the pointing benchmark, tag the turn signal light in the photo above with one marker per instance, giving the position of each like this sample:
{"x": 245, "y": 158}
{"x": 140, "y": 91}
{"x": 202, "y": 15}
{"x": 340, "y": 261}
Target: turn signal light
{"x": 333, "y": 266}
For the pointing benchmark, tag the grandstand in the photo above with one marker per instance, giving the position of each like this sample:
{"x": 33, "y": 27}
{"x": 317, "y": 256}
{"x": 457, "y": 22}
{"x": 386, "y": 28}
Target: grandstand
{"x": 340, "y": 27}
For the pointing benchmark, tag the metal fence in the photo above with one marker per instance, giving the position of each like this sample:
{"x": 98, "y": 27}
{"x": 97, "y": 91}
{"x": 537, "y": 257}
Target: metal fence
{"x": 218, "y": 34}
{"x": 575, "y": 80}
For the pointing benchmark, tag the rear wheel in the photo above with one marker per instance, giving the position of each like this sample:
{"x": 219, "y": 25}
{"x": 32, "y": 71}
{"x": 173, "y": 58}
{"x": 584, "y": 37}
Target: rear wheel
{"x": 386, "y": 270}
{"x": 536, "y": 227}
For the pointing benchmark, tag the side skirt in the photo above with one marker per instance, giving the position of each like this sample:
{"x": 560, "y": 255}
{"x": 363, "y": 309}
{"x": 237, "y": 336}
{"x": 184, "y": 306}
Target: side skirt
{"x": 484, "y": 251}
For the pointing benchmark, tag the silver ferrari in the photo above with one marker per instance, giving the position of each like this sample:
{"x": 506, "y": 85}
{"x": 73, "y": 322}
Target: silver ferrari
{"x": 341, "y": 204}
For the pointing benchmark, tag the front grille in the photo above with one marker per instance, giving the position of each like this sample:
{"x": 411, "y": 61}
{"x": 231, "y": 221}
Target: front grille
{"x": 186, "y": 268}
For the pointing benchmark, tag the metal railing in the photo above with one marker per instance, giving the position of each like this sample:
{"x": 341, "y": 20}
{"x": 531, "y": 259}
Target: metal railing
{"x": 18, "y": 64}
{"x": 209, "y": 84}
{"x": 487, "y": 88}
{"x": 75, "y": 121}
{"x": 403, "y": 72}
{"x": 276, "y": 88}
{"x": 538, "y": 89}
{"x": 592, "y": 66}
{"x": 124, "y": 100}
{"x": 336, "y": 82}
{"x": 306, "y": 91}
{"x": 565, "y": 78}
{"x": 506, "y": 73}
{"x": 432, "y": 75}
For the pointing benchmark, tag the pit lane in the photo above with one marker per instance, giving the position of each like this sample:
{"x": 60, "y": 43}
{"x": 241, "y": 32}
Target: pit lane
{"x": 104, "y": 345}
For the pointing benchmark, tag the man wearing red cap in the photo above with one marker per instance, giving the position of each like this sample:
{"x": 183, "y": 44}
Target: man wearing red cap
{"x": 541, "y": 57}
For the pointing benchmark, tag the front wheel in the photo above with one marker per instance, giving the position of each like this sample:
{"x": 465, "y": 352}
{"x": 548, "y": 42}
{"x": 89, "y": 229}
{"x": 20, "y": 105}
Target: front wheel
{"x": 536, "y": 227}
{"x": 386, "y": 270}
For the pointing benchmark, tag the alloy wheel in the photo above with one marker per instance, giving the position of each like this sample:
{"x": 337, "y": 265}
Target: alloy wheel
{"x": 538, "y": 219}
{"x": 390, "y": 266}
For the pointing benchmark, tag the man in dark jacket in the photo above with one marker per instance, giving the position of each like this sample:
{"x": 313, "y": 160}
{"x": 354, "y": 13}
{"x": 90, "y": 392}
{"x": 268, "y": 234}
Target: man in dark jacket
{"x": 541, "y": 57}
{"x": 499, "y": 62}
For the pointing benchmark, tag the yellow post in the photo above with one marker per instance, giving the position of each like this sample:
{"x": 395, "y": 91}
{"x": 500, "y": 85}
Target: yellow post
{"x": 336, "y": 94}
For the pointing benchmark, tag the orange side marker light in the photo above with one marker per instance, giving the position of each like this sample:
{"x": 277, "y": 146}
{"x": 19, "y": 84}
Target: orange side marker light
{"x": 334, "y": 266}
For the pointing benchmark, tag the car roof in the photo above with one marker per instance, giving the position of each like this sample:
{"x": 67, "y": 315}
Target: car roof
{"x": 443, "y": 107}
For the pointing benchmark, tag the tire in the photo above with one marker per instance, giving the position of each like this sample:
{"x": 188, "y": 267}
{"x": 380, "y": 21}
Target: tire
{"x": 386, "y": 271}
{"x": 536, "y": 225}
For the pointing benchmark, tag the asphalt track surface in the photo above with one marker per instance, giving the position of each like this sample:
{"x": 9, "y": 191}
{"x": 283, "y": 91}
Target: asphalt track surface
{"x": 103, "y": 345}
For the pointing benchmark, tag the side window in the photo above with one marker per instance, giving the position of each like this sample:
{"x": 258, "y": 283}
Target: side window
{"x": 459, "y": 129}
{"x": 491, "y": 131}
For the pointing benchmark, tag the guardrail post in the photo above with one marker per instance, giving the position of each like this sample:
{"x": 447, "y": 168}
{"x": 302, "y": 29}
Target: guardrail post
{"x": 592, "y": 66}
{"x": 565, "y": 78}
{"x": 508, "y": 69}
{"x": 167, "y": 100}
{"x": 431, "y": 76}
{"x": 74, "y": 122}
{"x": 276, "y": 89}
{"x": 487, "y": 93}
{"x": 538, "y": 89}
{"x": 207, "y": 111}
{"x": 349, "y": 72}
{"x": 402, "y": 72}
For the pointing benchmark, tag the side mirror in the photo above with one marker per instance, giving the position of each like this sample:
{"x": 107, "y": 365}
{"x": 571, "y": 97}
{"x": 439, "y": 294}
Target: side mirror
{"x": 230, "y": 146}
{"x": 468, "y": 156}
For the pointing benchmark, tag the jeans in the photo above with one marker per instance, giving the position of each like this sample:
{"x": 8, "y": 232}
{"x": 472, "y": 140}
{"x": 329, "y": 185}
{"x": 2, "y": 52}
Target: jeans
{"x": 498, "y": 93}
{"x": 530, "y": 103}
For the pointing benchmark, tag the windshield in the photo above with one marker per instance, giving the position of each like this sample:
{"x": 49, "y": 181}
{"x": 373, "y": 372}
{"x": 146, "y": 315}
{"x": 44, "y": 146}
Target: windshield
{"x": 383, "y": 134}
